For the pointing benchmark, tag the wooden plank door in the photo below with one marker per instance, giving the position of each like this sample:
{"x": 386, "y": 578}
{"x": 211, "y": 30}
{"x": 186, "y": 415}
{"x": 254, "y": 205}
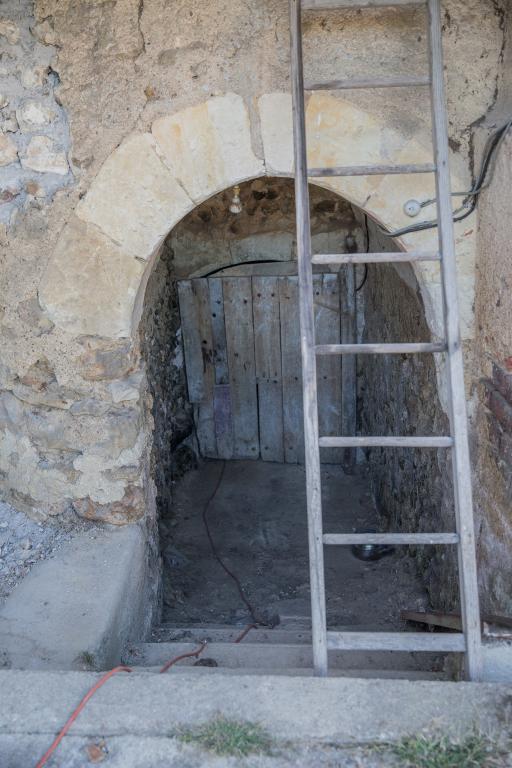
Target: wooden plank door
{"x": 267, "y": 352}
{"x": 198, "y": 348}
{"x": 238, "y": 318}
{"x": 242, "y": 353}
{"x": 326, "y": 302}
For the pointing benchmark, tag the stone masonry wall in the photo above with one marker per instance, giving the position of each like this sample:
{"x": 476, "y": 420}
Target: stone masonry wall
{"x": 398, "y": 395}
{"x": 162, "y": 350}
{"x": 492, "y": 437}
{"x": 154, "y": 111}
{"x": 34, "y": 130}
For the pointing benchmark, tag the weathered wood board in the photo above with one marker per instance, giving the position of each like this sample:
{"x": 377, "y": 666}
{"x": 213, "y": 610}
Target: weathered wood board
{"x": 293, "y": 413}
{"x": 242, "y": 372}
{"x": 267, "y": 352}
{"x": 198, "y": 346}
{"x": 243, "y": 363}
{"x": 326, "y": 300}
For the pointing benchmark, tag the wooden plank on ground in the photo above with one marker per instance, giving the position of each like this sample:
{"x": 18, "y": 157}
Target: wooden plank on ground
{"x": 198, "y": 347}
{"x": 326, "y": 297}
{"x": 293, "y": 419}
{"x": 242, "y": 374}
{"x": 267, "y": 352}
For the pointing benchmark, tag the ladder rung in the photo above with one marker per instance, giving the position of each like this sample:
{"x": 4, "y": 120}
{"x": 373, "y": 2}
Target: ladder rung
{"x": 331, "y": 5}
{"x": 372, "y": 170}
{"x": 378, "y": 349}
{"x": 363, "y": 83}
{"x": 386, "y": 442}
{"x": 346, "y": 539}
{"x": 440, "y": 642}
{"x": 374, "y": 258}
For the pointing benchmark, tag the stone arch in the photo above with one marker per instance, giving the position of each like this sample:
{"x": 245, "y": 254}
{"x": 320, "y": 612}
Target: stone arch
{"x": 152, "y": 180}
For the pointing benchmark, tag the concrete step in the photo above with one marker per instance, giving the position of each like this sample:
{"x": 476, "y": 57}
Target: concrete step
{"x": 278, "y": 656}
{"x": 290, "y": 634}
{"x": 334, "y": 710}
{"x": 360, "y": 674}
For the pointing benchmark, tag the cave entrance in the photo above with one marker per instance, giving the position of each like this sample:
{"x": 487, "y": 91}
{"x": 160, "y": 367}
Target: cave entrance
{"x": 221, "y": 339}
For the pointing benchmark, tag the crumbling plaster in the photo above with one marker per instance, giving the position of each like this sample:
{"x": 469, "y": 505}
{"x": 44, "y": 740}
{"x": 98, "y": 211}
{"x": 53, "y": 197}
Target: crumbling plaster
{"x": 164, "y": 111}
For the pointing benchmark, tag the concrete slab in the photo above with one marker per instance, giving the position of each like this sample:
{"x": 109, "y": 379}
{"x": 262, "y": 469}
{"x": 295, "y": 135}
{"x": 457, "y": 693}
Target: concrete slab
{"x": 337, "y": 710}
{"x": 497, "y": 662}
{"x": 167, "y": 752}
{"x": 79, "y": 609}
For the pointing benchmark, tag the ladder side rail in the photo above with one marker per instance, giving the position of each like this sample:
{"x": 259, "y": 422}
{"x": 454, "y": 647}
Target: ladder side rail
{"x": 458, "y": 414}
{"x": 348, "y": 322}
{"x": 307, "y": 325}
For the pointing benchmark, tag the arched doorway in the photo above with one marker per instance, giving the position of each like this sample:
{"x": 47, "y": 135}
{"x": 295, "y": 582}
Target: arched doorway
{"x": 220, "y": 338}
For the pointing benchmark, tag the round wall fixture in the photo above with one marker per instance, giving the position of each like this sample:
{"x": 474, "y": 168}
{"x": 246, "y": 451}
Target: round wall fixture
{"x": 412, "y": 208}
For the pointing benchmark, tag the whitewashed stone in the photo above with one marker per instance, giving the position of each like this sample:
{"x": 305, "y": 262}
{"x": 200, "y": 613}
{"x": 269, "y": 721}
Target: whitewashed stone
{"x": 90, "y": 284}
{"x": 208, "y": 147}
{"x": 8, "y": 151}
{"x": 277, "y": 132}
{"x": 33, "y": 115}
{"x": 125, "y": 390}
{"x": 8, "y": 123}
{"x": 4, "y": 101}
{"x": 34, "y": 77}
{"x": 45, "y": 33}
{"x": 42, "y": 156}
{"x": 135, "y": 199}
{"x": 10, "y": 31}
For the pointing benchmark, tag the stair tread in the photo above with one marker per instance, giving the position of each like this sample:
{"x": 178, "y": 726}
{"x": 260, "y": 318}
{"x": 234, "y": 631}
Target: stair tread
{"x": 273, "y": 656}
{"x": 384, "y": 674}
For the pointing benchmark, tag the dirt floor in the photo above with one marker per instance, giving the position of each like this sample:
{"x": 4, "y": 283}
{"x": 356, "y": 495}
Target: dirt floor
{"x": 257, "y": 520}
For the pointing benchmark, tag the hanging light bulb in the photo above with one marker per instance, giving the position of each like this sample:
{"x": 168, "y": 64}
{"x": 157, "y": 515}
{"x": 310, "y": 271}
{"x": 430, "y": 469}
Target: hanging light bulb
{"x": 236, "y": 203}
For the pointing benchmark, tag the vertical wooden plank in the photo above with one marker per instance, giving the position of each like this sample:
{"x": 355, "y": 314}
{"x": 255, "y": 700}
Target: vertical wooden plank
{"x": 348, "y": 365}
{"x": 267, "y": 354}
{"x": 223, "y": 416}
{"x": 220, "y": 353}
{"x": 242, "y": 375}
{"x": 198, "y": 347}
{"x": 458, "y": 416}
{"x": 293, "y": 413}
{"x": 307, "y": 330}
{"x": 326, "y": 292}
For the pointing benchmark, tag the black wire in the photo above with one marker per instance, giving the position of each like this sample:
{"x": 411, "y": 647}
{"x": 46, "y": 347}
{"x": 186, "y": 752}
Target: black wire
{"x": 365, "y": 277}
{"x": 473, "y": 194}
{"x": 241, "y": 264}
{"x": 219, "y": 559}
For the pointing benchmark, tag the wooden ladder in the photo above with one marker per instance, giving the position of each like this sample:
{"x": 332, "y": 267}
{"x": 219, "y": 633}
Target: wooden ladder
{"x": 469, "y": 640}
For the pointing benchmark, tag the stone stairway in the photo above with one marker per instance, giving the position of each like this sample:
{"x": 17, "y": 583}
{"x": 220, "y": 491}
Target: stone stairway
{"x": 279, "y": 651}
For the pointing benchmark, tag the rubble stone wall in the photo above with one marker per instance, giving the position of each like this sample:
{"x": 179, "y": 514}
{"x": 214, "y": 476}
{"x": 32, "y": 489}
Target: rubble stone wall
{"x": 153, "y": 111}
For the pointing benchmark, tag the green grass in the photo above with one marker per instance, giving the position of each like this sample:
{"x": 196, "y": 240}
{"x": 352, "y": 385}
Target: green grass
{"x": 474, "y": 751}
{"x": 87, "y": 660}
{"x": 228, "y": 737}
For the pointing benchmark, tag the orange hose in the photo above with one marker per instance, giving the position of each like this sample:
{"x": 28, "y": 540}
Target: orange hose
{"x": 190, "y": 655}
{"x": 77, "y": 711}
{"x": 110, "y": 674}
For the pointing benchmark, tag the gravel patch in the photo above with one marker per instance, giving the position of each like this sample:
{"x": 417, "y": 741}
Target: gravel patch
{"x": 23, "y": 543}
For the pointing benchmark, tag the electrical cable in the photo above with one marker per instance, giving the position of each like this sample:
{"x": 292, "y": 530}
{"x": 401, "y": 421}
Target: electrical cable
{"x": 471, "y": 196}
{"x": 90, "y": 693}
{"x": 192, "y": 654}
{"x": 243, "y": 263}
{"x": 230, "y": 573}
{"x": 71, "y": 719}
{"x": 365, "y": 276}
